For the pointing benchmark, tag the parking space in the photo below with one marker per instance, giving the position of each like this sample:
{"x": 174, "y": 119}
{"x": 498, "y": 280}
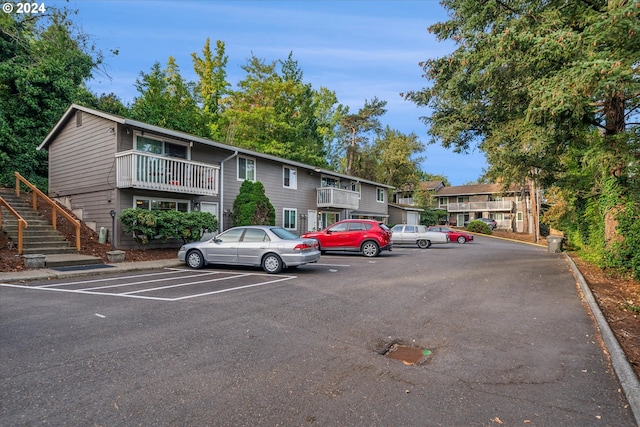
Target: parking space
{"x": 167, "y": 285}
{"x": 182, "y": 283}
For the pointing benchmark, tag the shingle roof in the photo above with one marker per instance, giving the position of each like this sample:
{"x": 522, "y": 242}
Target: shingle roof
{"x": 182, "y": 135}
{"x": 465, "y": 190}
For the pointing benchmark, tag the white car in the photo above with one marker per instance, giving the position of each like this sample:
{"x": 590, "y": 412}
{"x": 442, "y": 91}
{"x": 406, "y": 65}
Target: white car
{"x": 405, "y": 234}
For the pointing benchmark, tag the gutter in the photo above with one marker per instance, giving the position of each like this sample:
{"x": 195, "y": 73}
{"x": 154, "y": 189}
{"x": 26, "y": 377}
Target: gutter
{"x": 221, "y": 208}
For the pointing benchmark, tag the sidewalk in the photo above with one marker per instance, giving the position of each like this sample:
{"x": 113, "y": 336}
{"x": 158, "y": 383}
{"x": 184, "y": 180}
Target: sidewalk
{"x": 61, "y": 273}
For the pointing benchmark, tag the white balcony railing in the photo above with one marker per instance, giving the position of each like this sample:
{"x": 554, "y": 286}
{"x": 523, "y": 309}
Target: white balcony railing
{"x": 330, "y": 197}
{"x": 487, "y": 206}
{"x": 407, "y": 201}
{"x": 152, "y": 172}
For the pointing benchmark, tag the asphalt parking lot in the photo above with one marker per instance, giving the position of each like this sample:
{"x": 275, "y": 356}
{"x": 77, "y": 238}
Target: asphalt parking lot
{"x": 506, "y": 336}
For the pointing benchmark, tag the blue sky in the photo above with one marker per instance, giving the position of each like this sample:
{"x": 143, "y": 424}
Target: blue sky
{"x": 358, "y": 49}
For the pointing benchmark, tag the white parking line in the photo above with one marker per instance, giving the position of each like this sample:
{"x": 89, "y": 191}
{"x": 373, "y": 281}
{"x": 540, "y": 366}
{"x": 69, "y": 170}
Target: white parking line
{"x": 107, "y": 279}
{"x": 237, "y": 288}
{"x": 142, "y": 282}
{"x": 63, "y": 287}
{"x": 184, "y": 284}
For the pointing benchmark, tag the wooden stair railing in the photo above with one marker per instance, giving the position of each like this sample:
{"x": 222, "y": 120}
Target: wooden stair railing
{"x": 54, "y": 206}
{"x": 22, "y": 223}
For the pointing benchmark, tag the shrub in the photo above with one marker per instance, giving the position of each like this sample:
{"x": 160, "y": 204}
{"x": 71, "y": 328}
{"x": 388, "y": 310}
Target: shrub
{"x": 478, "y": 226}
{"x": 146, "y": 225}
{"x": 252, "y": 206}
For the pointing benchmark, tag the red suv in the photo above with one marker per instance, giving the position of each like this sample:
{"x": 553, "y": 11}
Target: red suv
{"x": 358, "y": 235}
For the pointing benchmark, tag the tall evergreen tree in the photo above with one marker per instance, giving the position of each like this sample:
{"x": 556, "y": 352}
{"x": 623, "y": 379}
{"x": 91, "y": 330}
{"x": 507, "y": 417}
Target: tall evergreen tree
{"x": 547, "y": 90}
{"x": 356, "y": 132}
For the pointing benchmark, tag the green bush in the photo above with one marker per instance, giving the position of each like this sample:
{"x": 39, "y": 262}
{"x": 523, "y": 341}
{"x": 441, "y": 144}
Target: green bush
{"x": 625, "y": 254}
{"x": 146, "y": 225}
{"x": 478, "y": 226}
{"x": 252, "y": 206}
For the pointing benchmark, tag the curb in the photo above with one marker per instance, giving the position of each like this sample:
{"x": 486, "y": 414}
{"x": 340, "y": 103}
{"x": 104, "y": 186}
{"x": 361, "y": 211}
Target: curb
{"x": 626, "y": 375}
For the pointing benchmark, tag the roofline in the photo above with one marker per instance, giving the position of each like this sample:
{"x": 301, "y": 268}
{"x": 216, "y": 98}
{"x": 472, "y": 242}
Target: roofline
{"x": 467, "y": 192}
{"x": 405, "y": 207}
{"x": 177, "y": 134}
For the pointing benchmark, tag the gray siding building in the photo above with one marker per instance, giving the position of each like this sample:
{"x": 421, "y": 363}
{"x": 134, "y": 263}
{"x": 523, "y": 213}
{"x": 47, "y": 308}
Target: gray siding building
{"x": 100, "y": 162}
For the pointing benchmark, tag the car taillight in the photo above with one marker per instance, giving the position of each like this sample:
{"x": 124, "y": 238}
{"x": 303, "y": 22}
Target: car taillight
{"x": 305, "y": 246}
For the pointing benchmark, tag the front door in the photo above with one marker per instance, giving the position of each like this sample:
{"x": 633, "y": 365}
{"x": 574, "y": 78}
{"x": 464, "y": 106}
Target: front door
{"x": 312, "y": 224}
{"x": 460, "y": 222}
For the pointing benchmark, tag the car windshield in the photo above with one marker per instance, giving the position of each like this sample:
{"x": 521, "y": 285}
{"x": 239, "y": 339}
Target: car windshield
{"x": 284, "y": 234}
{"x": 384, "y": 227}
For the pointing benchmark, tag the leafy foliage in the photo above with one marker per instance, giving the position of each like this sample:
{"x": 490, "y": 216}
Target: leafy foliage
{"x": 163, "y": 92}
{"x": 252, "y": 206}
{"x": 549, "y": 90}
{"x": 275, "y": 112}
{"x": 354, "y": 135}
{"x": 212, "y": 85}
{"x": 148, "y": 225}
{"x": 478, "y": 226}
{"x": 43, "y": 65}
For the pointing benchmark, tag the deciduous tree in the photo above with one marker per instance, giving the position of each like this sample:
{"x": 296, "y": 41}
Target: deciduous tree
{"x": 44, "y": 63}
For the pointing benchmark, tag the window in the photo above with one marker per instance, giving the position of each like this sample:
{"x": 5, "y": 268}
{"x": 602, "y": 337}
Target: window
{"x": 380, "y": 195}
{"x": 355, "y": 186}
{"x": 343, "y": 226}
{"x": 289, "y": 219}
{"x": 161, "y": 204}
{"x": 329, "y": 182}
{"x": 246, "y": 169}
{"x": 230, "y": 236}
{"x": 328, "y": 218}
{"x": 519, "y": 216}
{"x": 443, "y": 201}
{"x": 255, "y": 235}
{"x": 289, "y": 177}
{"x": 160, "y": 147}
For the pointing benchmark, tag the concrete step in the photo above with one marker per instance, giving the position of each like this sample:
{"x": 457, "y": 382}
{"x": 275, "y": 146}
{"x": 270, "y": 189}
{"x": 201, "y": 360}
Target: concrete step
{"x": 50, "y": 250}
{"x": 69, "y": 260}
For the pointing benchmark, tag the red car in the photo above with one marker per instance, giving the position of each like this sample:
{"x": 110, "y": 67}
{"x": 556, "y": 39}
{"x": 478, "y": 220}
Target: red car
{"x": 454, "y": 235}
{"x": 355, "y": 235}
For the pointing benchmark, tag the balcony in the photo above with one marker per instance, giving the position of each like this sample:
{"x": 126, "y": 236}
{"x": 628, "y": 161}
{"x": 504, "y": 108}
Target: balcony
{"x": 330, "y": 197}
{"x": 488, "y": 206}
{"x": 136, "y": 169}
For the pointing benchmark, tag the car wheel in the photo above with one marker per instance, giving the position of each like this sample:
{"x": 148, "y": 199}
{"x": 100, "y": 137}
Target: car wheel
{"x": 461, "y": 239}
{"x": 370, "y": 249}
{"x": 271, "y": 263}
{"x": 424, "y": 244}
{"x": 195, "y": 259}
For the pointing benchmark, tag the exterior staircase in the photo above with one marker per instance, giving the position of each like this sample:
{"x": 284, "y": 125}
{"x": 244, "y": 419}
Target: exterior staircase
{"x": 40, "y": 237}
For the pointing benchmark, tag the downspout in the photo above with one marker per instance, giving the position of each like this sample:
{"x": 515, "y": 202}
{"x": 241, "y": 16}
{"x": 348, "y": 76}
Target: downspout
{"x": 221, "y": 208}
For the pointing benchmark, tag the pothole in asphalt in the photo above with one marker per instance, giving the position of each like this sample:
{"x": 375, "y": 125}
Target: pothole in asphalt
{"x": 407, "y": 354}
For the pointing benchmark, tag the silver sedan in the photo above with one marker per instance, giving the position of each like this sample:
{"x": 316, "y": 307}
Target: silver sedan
{"x": 269, "y": 247}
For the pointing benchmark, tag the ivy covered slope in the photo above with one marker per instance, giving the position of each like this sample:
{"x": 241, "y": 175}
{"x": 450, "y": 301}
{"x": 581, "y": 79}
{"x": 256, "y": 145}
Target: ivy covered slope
{"x": 549, "y": 90}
